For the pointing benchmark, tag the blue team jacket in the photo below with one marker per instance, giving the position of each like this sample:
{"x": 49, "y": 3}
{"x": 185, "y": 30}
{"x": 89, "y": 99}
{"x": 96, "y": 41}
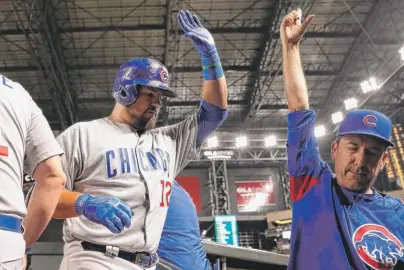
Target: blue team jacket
{"x": 180, "y": 242}
{"x": 332, "y": 227}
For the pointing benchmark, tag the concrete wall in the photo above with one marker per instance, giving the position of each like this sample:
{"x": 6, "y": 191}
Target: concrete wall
{"x": 45, "y": 262}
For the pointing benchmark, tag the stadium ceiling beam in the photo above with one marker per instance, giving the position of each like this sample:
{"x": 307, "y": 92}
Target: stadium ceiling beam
{"x": 259, "y": 61}
{"x": 395, "y": 85}
{"x": 219, "y": 30}
{"x": 370, "y": 20}
{"x": 399, "y": 108}
{"x": 48, "y": 51}
{"x": 397, "y": 105}
{"x": 265, "y": 63}
{"x": 177, "y": 69}
{"x": 171, "y": 50}
{"x": 162, "y": 116}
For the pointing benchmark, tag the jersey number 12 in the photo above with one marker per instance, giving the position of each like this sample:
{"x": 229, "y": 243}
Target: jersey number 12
{"x": 165, "y": 193}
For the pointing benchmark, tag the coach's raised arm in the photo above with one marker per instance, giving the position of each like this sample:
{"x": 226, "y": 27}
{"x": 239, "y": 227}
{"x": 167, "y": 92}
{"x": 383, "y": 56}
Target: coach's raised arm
{"x": 337, "y": 218}
{"x": 295, "y": 85}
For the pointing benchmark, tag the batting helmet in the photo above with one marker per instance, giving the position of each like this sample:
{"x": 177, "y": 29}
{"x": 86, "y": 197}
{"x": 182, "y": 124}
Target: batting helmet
{"x": 140, "y": 71}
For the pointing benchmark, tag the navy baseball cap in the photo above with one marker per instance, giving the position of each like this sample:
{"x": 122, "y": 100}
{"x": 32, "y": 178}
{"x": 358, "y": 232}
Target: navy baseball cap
{"x": 367, "y": 122}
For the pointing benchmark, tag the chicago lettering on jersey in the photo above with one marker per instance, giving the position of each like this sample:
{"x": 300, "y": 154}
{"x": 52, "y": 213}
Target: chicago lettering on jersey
{"x": 125, "y": 161}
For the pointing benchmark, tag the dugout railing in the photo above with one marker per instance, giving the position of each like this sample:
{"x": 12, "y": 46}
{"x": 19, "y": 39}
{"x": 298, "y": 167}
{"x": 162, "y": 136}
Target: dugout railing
{"x": 231, "y": 257}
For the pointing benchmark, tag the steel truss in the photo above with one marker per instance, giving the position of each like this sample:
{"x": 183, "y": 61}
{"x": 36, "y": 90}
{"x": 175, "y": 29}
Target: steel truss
{"x": 41, "y": 21}
{"x": 220, "y": 192}
{"x": 284, "y": 173}
{"x": 373, "y": 65}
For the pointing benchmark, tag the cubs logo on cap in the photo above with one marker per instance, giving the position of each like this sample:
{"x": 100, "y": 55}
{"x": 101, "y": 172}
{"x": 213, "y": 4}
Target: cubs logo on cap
{"x": 164, "y": 76}
{"x": 377, "y": 246}
{"x": 370, "y": 120}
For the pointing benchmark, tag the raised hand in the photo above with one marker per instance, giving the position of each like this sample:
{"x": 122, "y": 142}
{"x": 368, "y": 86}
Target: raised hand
{"x": 108, "y": 211}
{"x": 292, "y": 29}
{"x": 193, "y": 29}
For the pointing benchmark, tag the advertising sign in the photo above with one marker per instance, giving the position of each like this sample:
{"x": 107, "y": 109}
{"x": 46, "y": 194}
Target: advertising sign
{"x": 254, "y": 195}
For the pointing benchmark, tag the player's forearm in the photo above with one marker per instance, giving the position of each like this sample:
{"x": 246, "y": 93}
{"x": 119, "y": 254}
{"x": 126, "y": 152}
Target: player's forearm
{"x": 215, "y": 92}
{"x": 294, "y": 81}
{"x": 42, "y": 204}
{"x": 66, "y": 207}
{"x": 214, "y": 85}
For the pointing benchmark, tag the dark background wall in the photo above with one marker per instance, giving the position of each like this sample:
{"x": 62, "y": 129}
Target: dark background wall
{"x": 203, "y": 175}
{"x": 233, "y": 175}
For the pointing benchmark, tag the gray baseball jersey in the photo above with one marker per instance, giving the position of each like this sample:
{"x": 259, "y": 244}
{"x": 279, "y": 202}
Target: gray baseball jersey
{"x": 109, "y": 159}
{"x": 25, "y": 140}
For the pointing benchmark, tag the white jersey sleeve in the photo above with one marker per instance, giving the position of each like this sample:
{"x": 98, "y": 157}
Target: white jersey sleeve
{"x": 40, "y": 142}
{"x": 26, "y": 139}
{"x": 184, "y": 134}
{"x": 72, "y": 165}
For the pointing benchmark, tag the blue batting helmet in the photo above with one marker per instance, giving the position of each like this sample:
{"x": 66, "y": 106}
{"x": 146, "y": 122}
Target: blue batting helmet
{"x": 140, "y": 71}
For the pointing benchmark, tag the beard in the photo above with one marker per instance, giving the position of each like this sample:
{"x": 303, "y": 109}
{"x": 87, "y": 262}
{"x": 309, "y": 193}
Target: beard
{"x": 146, "y": 123}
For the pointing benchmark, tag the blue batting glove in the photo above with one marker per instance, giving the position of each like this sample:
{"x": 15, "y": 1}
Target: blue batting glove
{"x": 108, "y": 211}
{"x": 193, "y": 29}
{"x": 204, "y": 43}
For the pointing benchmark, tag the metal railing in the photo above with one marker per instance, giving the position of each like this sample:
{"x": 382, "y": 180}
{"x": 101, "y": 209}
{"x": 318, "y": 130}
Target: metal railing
{"x": 245, "y": 254}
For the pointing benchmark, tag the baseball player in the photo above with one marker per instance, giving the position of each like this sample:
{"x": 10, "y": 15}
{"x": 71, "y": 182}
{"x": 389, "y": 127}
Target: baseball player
{"x": 26, "y": 144}
{"x": 339, "y": 220}
{"x": 121, "y": 165}
{"x": 180, "y": 242}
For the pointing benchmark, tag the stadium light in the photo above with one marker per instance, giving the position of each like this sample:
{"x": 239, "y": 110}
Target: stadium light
{"x": 402, "y": 53}
{"x": 270, "y": 141}
{"x": 351, "y": 103}
{"x": 241, "y": 141}
{"x": 213, "y": 142}
{"x": 319, "y": 131}
{"x": 337, "y": 117}
{"x": 369, "y": 85}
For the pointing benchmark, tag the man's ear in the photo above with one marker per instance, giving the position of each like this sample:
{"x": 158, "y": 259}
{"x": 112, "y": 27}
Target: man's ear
{"x": 334, "y": 150}
{"x": 384, "y": 158}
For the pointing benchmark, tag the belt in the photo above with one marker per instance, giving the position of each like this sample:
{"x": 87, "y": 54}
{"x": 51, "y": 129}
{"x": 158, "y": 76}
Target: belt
{"x": 143, "y": 259}
{"x": 9, "y": 223}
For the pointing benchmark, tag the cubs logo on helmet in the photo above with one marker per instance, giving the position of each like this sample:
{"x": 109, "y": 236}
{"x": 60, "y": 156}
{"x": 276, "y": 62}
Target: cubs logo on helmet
{"x": 370, "y": 120}
{"x": 377, "y": 246}
{"x": 164, "y": 76}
